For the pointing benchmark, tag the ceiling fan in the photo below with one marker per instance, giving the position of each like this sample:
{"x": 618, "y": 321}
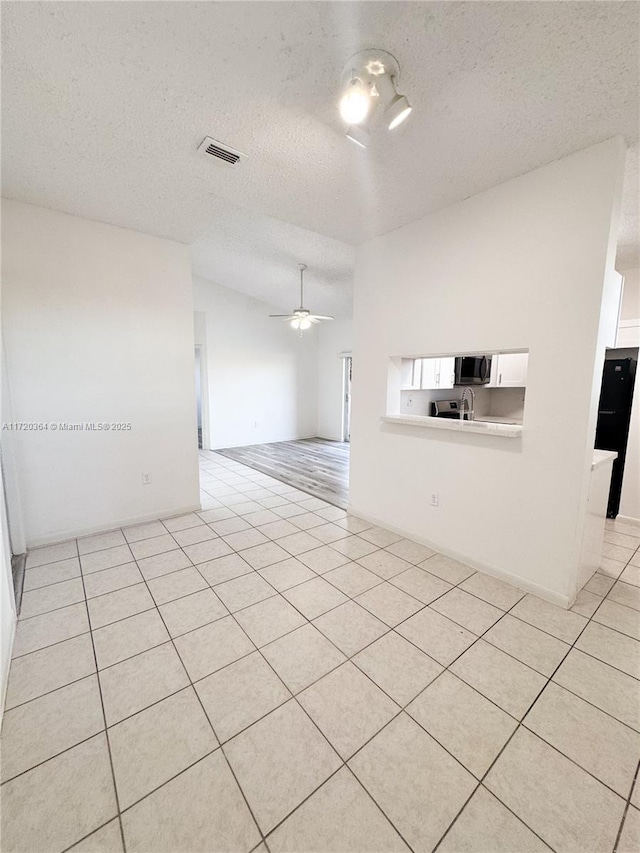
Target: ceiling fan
{"x": 301, "y": 318}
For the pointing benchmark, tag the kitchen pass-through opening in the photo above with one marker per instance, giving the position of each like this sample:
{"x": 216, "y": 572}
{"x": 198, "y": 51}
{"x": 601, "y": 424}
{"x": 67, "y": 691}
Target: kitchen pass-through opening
{"x": 487, "y": 387}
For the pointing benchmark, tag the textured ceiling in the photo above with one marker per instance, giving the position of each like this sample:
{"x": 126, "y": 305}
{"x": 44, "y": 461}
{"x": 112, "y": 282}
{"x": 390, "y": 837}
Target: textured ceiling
{"x": 105, "y": 103}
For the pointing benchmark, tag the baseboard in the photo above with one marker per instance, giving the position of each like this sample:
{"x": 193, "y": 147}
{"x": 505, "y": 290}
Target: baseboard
{"x": 18, "y": 565}
{"x": 7, "y": 655}
{"x": 77, "y": 533}
{"x": 628, "y": 519}
{"x": 271, "y": 441}
{"x": 564, "y": 601}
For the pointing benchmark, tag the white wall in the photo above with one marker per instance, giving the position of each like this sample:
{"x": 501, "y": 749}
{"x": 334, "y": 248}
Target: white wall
{"x": 630, "y": 498}
{"x": 7, "y": 598}
{"x": 335, "y": 337}
{"x": 262, "y": 376}
{"x": 7, "y": 602}
{"x": 519, "y": 266}
{"x": 630, "y": 308}
{"x": 9, "y": 440}
{"x": 98, "y": 325}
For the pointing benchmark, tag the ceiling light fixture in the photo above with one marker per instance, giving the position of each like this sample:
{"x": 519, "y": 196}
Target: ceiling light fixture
{"x": 359, "y": 135}
{"x": 356, "y": 102}
{"x": 369, "y": 86}
{"x": 301, "y": 318}
{"x": 301, "y": 323}
{"x": 397, "y": 111}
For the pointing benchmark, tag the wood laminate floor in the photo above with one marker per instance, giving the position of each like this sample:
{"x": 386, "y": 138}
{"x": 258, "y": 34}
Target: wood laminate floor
{"x": 313, "y": 465}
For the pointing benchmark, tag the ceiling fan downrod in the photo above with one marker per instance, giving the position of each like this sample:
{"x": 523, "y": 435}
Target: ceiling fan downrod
{"x": 302, "y": 268}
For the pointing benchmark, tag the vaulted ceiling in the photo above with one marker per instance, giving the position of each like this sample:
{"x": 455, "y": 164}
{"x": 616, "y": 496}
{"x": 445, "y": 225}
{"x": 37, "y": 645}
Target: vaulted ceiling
{"x": 105, "y": 104}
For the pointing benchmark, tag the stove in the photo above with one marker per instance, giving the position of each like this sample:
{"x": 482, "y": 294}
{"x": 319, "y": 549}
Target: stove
{"x": 445, "y": 409}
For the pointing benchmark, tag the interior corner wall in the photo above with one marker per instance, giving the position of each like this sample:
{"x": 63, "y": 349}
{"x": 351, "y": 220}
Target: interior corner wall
{"x": 7, "y": 601}
{"x": 262, "y": 376}
{"x": 7, "y": 596}
{"x": 630, "y": 497}
{"x": 334, "y": 338}
{"x": 630, "y": 308}
{"x": 98, "y": 327}
{"x": 522, "y": 265}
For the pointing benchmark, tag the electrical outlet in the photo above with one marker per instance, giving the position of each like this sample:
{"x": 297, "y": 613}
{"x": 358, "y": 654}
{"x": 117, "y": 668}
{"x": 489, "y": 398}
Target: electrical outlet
{"x": 255, "y": 424}
{"x": 435, "y": 501}
{"x": 409, "y": 401}
{"x": 146, "y": 479}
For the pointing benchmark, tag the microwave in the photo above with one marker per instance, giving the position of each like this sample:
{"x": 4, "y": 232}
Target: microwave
{"x": 473, "y": 369}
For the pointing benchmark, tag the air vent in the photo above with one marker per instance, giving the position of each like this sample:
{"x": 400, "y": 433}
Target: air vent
{"x": 221, "y": 152}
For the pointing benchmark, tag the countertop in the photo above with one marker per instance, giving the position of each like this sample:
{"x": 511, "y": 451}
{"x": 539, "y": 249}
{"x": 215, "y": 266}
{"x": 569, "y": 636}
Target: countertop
{"x": 504, "y": 429}
{"x": 601, "y": 457}
{"x": 496, "y": 419}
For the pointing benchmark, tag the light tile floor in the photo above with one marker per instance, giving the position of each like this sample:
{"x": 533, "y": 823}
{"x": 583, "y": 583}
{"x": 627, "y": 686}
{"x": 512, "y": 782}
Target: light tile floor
{"x": 271, "y": 674}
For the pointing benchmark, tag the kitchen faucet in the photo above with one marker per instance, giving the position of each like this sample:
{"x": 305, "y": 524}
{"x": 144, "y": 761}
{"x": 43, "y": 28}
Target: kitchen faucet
{"x": 470, "y": 406}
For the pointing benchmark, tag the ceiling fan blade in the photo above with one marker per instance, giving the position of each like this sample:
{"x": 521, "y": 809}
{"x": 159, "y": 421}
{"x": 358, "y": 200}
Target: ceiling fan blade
{"x": 320, "y": 317}
{"x": 283, "y": 316}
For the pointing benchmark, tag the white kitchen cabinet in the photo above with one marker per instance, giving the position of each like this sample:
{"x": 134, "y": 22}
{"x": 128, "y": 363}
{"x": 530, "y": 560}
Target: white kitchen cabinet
{"x": 411, "y": 372}
{"x": 447, "y": 376}
{"x": 438, "y": 373}
{"x": 509, "y": 370}
{"x": 430, "y": 373}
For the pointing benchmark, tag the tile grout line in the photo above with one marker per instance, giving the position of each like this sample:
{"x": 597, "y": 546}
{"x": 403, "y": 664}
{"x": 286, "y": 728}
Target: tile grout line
{"x": 301, "y": 707}
{"x": 91, "y": 834}
{"x": 62, "y": 751}
{"x": 628, "y": 805}
{"x": 51, "y": 645}
{"x": 572, "y": 760}
{"x": 49, "y": 692}
{"x": 197, "y": 695}
{"x": 520, "y": 723}
{"x": 106, "y": 733}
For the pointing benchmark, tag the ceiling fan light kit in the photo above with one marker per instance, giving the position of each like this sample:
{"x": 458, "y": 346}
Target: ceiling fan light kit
{"x": 369, "y": 88}
{"x": 301, "y": 318}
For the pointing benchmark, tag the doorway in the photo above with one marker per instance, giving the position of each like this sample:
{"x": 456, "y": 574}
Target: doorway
{"x": 615, "y": 418}
{"x": 346, "y": 398}
{"x": 199, "y": 395}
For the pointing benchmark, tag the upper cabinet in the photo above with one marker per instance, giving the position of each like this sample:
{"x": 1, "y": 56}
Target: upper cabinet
{"x": 509, "y": 370}
{"x": 438, "y": 373}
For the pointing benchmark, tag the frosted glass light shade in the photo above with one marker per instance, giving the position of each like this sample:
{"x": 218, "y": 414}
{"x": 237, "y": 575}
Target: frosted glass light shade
{"x": 355, "y": 103}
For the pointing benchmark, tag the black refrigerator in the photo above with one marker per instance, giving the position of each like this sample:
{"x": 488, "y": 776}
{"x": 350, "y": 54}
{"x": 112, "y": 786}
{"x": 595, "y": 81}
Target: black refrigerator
{"x": 614, "y": 415}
